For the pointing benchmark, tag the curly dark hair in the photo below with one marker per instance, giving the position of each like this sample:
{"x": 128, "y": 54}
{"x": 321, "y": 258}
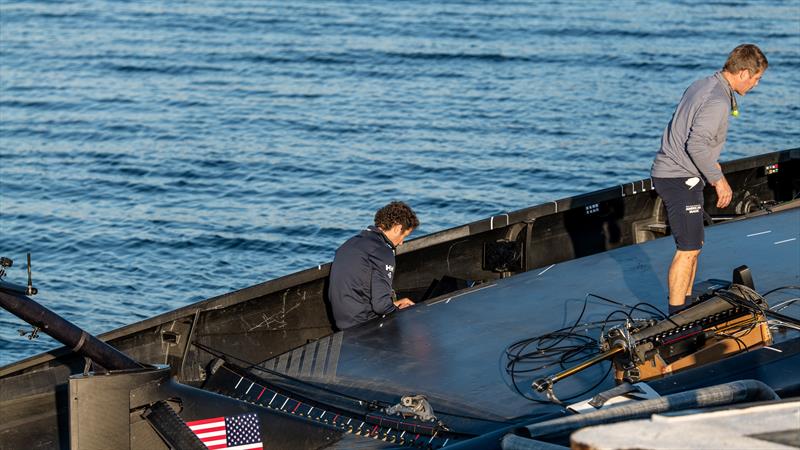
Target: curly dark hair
{"x": 396, "y": 213}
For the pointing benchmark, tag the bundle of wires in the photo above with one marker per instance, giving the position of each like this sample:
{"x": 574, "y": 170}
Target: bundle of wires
{"x": 745, "y": 297}
{"x": 558, "y": 349}
{"x": 776, "y": 308}
{"x": 566, "y": 346}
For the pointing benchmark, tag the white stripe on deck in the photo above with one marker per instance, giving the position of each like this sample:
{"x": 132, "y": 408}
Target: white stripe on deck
{"x": 447, "y": 300}
{"x": 759, "y": 233}
{"x": 545, "y": 270}
{"x": 784, "y": 241}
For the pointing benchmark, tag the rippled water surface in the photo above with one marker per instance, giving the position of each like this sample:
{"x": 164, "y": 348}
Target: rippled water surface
{"x": 154, "y": 154}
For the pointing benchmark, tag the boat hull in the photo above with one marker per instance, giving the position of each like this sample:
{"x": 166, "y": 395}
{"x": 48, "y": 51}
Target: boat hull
{"x": 599, "y": 232}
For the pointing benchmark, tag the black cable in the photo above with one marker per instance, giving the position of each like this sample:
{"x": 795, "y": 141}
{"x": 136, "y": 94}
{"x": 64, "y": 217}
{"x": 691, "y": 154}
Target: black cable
{"x": 549, "y": 348}
{"x": 746, "y": 329}
{"x": 750, "y": 304}
{"x": 635, "y": 307}
{"x": 779, "y": 289}
{"x": 785, "y": 304}
{"x": 741, "y": 300}
{"x": 610, "y": 315}
{"x": 613, "y": 302}
{"x": 632, "y": 308}
{"x": 660, "y": 314}
{"x": 770, "y": 313}
{"x": 553, "y": 353}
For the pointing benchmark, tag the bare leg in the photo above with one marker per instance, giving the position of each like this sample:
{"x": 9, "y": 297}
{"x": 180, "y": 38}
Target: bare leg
{"x": 691, "y": 279}
{"x": 681, "y": 275}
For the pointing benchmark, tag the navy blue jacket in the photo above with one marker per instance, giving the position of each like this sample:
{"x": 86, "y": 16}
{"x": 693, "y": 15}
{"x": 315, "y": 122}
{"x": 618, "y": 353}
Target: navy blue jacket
{"x": 360, "y": 286}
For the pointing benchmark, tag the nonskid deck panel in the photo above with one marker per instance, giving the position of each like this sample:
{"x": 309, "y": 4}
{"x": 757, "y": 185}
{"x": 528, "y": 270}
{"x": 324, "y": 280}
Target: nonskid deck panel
{"x": 449, "y": 348}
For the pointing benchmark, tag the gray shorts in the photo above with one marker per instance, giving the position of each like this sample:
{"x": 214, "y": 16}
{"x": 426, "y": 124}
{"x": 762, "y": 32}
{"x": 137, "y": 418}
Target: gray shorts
{"x": 684, "y": 210}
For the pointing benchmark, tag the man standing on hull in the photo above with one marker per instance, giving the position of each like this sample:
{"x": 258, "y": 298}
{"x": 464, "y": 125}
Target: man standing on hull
{"x": 362, "y": 272}
{"x": 688, "y": 159}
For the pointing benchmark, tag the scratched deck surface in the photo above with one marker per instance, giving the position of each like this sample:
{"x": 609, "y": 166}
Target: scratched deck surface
{"x": 451, "y": 349}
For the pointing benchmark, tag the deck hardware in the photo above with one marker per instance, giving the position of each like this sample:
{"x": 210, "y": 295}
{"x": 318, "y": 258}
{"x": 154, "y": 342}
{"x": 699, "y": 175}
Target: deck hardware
{"x": 33, "y": 334}
{"x": 170, "y": 337}
{"x": 413, "y": 406}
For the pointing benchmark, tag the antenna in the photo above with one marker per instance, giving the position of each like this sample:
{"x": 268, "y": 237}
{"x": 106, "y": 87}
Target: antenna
{"x": 31, "y": 290}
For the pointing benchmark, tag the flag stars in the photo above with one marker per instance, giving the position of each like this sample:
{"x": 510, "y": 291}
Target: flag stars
{"x": 235, "y": 433}
{"x": 243, "y": 430}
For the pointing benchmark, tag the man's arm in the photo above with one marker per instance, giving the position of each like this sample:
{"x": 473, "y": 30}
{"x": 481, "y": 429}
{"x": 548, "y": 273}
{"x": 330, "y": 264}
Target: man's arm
{"x": 381, "y": 287}
{"x": 724, "y": 191}
{"x": 703, "y": 132}
{"x": 705, "y": 125}
{"x": 403, "y": 303}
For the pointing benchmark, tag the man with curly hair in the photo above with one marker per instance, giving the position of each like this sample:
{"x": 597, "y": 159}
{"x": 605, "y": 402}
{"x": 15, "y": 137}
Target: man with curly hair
{"x": 361, "y": 276}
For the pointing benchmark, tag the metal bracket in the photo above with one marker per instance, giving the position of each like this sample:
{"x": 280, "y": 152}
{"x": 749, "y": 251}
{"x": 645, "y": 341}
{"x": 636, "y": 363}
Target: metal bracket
{"x": 413, "y": 405}
{"x": 33, "y": 334}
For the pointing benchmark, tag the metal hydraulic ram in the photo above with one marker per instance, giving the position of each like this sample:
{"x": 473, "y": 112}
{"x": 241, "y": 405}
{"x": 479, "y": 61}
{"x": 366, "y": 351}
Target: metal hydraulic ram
{"x": 546, "y": 384}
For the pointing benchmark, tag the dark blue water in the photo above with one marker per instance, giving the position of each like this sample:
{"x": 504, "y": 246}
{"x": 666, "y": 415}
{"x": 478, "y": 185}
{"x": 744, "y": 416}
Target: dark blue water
{"x": 154, "y": 154}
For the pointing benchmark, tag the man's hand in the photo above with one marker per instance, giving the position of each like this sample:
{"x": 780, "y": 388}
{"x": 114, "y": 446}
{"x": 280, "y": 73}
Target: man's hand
{"x": 724, "y": 192}
{"x": 403, "y": 303}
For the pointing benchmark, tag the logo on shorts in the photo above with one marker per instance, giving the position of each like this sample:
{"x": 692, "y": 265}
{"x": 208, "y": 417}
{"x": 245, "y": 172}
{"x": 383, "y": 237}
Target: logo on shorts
{"x": 693, "y": 209}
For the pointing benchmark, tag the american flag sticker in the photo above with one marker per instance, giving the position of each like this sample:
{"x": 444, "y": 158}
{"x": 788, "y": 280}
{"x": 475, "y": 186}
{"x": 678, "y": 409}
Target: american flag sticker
{"x": 233, "y": 433}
